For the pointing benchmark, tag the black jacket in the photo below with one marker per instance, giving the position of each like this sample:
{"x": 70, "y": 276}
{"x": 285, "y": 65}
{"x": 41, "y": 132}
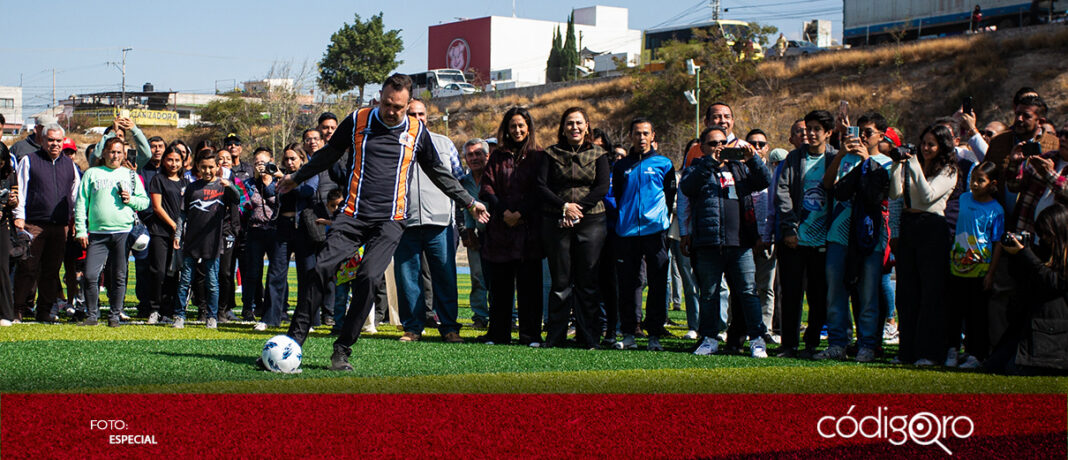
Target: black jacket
{"x": 1044, "y": 293}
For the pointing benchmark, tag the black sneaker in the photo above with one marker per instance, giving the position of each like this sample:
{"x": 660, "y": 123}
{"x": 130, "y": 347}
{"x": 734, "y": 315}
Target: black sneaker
{"x": 339, "y": 361}
{"x": 113, "y": 322}
{"x": 78, "y": 317}
{"x": 807, "y": 353}
{"x": 328, "y": 320}
{"x": 88, "y": 322}
{"x": 247, "y": 315}
{"x": 479, "y": 323}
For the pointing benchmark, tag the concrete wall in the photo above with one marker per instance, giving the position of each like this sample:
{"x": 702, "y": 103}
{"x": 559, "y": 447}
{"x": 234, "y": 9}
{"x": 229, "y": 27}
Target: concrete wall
{"x": 12, "y": 104}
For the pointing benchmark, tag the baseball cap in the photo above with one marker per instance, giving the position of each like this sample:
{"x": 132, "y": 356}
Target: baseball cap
{"x": 68, "y": 143}
{"x": 777, "y": 155}
{"x": 893, "y": 137}
{"x": 232, "y": 139}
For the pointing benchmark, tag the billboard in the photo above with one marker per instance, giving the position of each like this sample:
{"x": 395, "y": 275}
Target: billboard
{"x": 140, "y": 117}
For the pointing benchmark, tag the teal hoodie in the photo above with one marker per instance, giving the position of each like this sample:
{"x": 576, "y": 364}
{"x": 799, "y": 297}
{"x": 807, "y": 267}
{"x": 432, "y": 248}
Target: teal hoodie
{"x": 99, "y": 207}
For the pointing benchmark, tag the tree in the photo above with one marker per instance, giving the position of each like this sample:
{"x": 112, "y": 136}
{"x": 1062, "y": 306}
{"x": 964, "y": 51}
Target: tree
{"x": 235, "y": 114}
{"x": 358, "y": 54}
{"x": 569, "y": 54}
{"x": 283, "y": 103}
{"x": 552, "y": 66}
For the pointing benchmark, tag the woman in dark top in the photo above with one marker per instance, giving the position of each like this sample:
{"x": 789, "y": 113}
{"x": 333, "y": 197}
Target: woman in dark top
{"x": 289, "y": 207}
{"x": 512, "y": 250}
{"x": 7, "y": 182}
{"x": 573, "y": 180}
{"x": 165, "y": 192}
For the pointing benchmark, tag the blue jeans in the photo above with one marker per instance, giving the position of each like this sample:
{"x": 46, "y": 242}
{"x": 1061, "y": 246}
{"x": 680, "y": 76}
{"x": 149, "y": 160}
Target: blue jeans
{"x": 886, "y": 299}
{"x": 435, "y": 242}
{"x": 711, "y": 263}
{"x": 211, "y": 289}
{"x": 681, "y": 266}
{"x": 268, "y": 300}
{"x": 869, "y": 332}
{"x": 479, "y": 297}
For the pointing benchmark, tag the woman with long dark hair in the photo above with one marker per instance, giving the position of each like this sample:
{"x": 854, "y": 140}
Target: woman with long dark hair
{"x": 296, "y": 241}
{"x": 572, "y": 182}
{"x": 165, "y": 192}
{"x": 512, "y": 250}
{"x": 925, "y": 180}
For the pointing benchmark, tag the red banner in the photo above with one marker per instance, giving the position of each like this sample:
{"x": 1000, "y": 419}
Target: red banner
{"x": 531, "y": 426}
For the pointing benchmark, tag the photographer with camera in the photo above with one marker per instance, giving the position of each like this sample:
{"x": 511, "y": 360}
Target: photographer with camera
{"x": 1039, "y": 177}
{"x": 1038, "y": 329}
{"x": 261, "y": 239}
{"x": 925, "y": 179}
{"x": 9, "y": 198}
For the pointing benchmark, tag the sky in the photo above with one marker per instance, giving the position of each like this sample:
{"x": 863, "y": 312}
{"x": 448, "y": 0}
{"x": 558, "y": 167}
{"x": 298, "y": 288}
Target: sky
{"x": 198, "y": 45}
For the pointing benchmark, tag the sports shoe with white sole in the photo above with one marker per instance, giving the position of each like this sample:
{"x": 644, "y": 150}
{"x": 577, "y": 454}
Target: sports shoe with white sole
{"x": 865, "y": 355}
{"x": 832, "y": 352}
{"x": 5, "y": 323}
{"x": 654, "y": 344}
{"x": 971, "y": 363}
{"x": 758, "y": 348}
{"x": 124, "y": 317}
{"x": 179, "y": 323}
{"x": 534, "y": 345}
{"x": 627, "y": 343}
{"x": 708, "y": 346}
{"x": 952, "y": 358}
{"x": 261, "y": 326}
{"x": 153, "y": 318}
{"x": 212, "y": 323}
{"x": 690, "y": 335}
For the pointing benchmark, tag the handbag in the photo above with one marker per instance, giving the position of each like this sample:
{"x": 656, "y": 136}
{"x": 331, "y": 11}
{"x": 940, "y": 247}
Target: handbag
{"x": 315, "y": 232}
{"x": 139, "y": 227}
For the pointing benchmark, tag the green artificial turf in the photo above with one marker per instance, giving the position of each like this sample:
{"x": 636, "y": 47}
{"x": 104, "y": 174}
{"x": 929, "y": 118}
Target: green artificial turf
{"x": 142, "y": 358}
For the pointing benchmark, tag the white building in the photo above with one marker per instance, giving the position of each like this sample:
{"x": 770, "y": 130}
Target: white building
{"x": 11, "y": 107}
{"x": 493, "y": 47}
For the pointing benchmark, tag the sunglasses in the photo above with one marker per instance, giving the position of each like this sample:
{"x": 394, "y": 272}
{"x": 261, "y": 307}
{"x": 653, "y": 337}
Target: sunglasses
{"x": 868, "y": 132}
{"x": 759, "y": 144}
{"x": 987, "y": 133}
{"x": 715, "y": 143}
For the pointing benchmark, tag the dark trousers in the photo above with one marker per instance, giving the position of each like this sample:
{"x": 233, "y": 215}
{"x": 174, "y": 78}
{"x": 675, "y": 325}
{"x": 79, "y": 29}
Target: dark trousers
{"x": 7, "y": 302}
{"x": 508, "y": 282}
{"x": 104, "y": 248}
{"x": 74, "y": 274}
{"x": 379, "y": 240}
{"x": 268, "y": 302}
{"x": 922, "y": 269}
{"x": 141, "y": 290}
{"x": 804, "y": 274}
{"x": 633, "y": 250}
{"x": 968, "y": 307}
{"x": 573, "y": 254}
{"x": 227, "y": 286}
{"x": 39, "y": 273}
{"x": 608, "y": 280}
{"x": 298, "y": 245}
{"x": 162, "y": 282}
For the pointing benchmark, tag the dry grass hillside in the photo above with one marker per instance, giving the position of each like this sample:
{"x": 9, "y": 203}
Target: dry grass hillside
{"x": 911, "y": 84}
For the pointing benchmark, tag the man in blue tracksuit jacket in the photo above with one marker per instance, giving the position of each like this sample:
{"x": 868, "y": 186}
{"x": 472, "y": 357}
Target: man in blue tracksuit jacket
{"x": 644, "y": 186}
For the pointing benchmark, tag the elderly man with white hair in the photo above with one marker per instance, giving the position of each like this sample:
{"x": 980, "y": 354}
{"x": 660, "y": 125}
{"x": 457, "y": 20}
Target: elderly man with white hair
{"x": 33, "y": 142}
{"x": 48, "y": 179}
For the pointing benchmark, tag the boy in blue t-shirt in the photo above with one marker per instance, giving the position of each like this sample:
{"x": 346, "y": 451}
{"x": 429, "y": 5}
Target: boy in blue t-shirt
{"x": 975, "y": 253}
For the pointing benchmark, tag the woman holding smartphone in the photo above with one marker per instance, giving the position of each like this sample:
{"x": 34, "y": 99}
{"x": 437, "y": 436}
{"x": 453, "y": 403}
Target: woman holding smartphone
{"x": 572, "y": 182}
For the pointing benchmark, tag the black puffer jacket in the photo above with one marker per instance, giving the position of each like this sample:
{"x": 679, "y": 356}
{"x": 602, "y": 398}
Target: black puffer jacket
{"x": 1044, "y": 292}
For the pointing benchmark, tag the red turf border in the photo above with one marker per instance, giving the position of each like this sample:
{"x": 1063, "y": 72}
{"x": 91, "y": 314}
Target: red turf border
{"x": 517, "y": 425}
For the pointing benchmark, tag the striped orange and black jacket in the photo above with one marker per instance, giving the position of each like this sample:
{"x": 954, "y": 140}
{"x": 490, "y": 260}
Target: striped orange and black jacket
{"x": 379, "y": 170}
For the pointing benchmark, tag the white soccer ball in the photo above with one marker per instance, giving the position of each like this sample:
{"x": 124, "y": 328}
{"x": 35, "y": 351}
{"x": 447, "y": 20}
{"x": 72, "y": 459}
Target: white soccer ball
{"x": 282, "y": 354}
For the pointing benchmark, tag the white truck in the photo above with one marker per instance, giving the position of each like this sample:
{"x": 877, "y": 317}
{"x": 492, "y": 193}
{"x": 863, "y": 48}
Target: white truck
{"x": 874, "y": 22}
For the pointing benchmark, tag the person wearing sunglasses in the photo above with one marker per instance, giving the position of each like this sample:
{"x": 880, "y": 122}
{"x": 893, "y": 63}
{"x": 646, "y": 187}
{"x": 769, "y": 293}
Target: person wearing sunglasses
{"x": 719, "y": 237}
{"x": 763, "y": 250}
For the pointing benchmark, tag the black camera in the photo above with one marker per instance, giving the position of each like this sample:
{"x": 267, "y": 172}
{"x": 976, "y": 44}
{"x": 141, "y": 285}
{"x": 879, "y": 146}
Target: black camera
{"x": 897, "y": 153}
{"x": 1023, "y": 237}
{"x": 5, "y": 194}
{"x": 270, "y": 168}
{"x": 1031, "y": 148}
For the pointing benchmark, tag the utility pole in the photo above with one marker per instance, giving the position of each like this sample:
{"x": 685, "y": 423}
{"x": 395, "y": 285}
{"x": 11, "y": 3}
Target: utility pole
{"x": 714, "y": 4}
{"x": 513, "y": 8}
{"x": 53, "y": 90}
{"x": 124, "y": 50}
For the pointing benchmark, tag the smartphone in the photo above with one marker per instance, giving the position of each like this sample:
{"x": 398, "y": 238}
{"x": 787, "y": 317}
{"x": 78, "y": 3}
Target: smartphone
{"x": 732, "y": 153}
{"x": 966, "y": 106}
{"x": 124, "y": 113}
{"x": 843, "y": 108}
{"x": 853, "y": 131}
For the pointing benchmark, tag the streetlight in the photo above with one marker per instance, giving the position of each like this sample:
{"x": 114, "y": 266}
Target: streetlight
{"x": 694, "y": 96}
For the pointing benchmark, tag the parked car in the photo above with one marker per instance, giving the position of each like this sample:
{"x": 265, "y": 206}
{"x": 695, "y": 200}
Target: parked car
{"x": 801, "y": 48}
{"x": 456, "y": 89}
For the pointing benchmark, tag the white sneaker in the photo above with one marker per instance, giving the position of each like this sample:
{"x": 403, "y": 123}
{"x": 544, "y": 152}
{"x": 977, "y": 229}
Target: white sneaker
{"x": 722, "y": 336}
{"x": 758, "y": 348}
{"x": 628, "y": 342}
{"x": 832, "y": 352}
{"x": 153, "y": 318}
{"x": 369, "y": 329}
{"x": 124, "y": 317}
{"x": 971, "y": 363}
{"x": 691, "y": 335}
{"x": 260, "y": 327}
{"x": 179, "y": 323}
{"x": 890, "y": 331}
{"x": 5, "y": 323}
{"x": 311, "y": 329}
{"x": 952, "y": 357}
{"x": 654, "y": 344}
{"x": 708, "y": 346}
{"x": 212, "y": 323}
